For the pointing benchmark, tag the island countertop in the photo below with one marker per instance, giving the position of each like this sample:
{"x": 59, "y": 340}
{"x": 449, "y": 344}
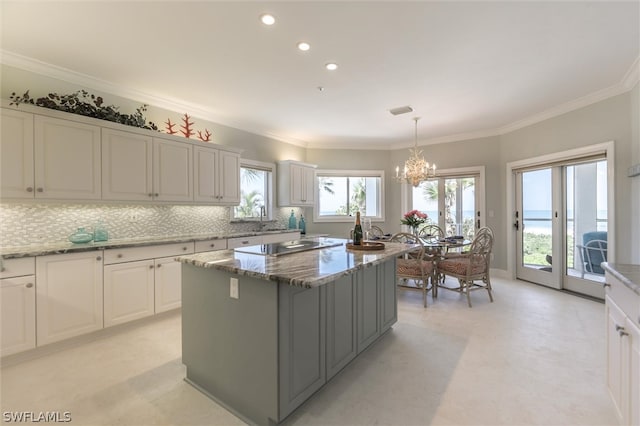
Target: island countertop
{"x": 304, "y": 269}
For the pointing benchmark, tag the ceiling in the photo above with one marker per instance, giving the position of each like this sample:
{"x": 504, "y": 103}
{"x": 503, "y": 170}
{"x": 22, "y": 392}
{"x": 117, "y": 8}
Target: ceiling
{"x": 469, "y": 69}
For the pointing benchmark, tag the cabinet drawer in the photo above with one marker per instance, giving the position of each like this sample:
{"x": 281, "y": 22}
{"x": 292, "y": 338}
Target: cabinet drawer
{"x": 625, "y": 298}
{"x": 132, "y": 254}
{"x": 211, "y": 245}
{"x": 280, "y": 237}
{"x": 244, "y": 241}
{"x": 17, "y": 267}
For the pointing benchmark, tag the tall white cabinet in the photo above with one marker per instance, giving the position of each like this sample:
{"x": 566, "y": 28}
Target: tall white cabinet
{"x": 623, "y": 349}
{"x": 69, "y": 295}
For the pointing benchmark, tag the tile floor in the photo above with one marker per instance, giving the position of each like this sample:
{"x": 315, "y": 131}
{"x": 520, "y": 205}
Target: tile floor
{"x": 533, "y": 357}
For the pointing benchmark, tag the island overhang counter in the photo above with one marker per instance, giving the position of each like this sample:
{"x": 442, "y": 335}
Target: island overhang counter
{"x": 298, "y": 319}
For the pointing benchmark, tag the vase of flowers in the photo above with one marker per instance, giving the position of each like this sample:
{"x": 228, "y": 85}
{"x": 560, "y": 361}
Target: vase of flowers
{"x": 414, "y": 219}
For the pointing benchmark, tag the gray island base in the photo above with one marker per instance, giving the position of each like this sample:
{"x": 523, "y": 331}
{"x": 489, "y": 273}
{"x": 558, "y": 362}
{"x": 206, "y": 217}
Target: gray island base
{"x": 298, "y": 320}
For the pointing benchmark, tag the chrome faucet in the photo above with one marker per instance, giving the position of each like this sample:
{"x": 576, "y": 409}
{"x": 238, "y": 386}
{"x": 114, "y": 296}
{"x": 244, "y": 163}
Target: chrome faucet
{"x": 263, "y": 213}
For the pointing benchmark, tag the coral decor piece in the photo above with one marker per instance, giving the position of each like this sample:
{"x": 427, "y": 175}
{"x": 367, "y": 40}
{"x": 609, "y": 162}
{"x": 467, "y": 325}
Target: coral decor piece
{"x": 88, "y": 105}
{"x": 170, "y": 127}
{"x": 206, "y": 137}
{"x": 186, "y": 129}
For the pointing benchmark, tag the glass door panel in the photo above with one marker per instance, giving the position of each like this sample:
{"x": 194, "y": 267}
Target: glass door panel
{"x": 586, "y": 227}
{"x": 534, "y": 224}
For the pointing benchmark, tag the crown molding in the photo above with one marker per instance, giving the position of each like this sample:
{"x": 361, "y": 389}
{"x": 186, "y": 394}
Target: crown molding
{"x": 629, "y": 80}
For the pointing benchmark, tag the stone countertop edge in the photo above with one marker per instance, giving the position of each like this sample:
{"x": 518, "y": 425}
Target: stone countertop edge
{"x": 220, "y": 260}
{"x": 628, "y": 274}
{"x": 43, "y": 249}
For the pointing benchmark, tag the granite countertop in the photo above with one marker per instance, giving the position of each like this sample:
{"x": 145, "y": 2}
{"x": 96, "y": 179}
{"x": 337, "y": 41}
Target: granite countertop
{"x": 629, "y": 275}
{"x": 61, "y": 247}
{"x": 303, "y": 269}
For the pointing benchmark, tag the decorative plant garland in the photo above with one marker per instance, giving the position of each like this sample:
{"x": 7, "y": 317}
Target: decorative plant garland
{"x": 90, "y": 105}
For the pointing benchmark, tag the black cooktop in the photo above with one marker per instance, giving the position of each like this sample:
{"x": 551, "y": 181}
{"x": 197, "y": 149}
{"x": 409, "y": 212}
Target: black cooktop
{"x": 278, "y": 249}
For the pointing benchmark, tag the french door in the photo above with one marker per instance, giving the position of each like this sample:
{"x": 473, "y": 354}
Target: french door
{"x": 559, "y": 210}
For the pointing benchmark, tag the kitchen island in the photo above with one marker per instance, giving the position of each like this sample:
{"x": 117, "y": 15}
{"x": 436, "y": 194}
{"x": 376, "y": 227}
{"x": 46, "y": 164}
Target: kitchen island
{"x": 262, "y": 333}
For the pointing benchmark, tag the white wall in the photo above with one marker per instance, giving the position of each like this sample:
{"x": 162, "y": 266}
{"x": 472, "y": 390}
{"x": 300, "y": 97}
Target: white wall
{"x": 635, "y": 181}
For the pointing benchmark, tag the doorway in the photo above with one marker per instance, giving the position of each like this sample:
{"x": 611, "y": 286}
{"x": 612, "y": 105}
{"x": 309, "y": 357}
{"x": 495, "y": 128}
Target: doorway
{"x": 561, "y": 224}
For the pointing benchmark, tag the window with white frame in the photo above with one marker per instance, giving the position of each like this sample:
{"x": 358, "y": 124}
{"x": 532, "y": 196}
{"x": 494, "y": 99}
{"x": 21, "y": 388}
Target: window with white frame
{"x": 256, "y": 191}
{"x": 341, "y": 193}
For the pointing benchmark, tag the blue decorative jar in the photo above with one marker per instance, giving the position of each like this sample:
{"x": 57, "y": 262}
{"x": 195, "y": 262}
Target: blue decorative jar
{"x": 81, "y": 236}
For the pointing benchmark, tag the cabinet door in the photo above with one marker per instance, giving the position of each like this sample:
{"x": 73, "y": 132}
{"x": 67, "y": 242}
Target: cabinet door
{"x": 229, "y": 178}
{"x": 301, "y": 344}
{"x": 128, "y": 291}
{"x": 16, "y": 155}
{"x": 616, "y": 357}
{"x": 244, "y": 241}
{"x": 67, "y": 159}
{"x": 168, "y": 284}
{"x": 297, "y": 184}
{"x": 206, "y": 168}
{"x": 172, "y": 170}
{"x": 633, "y": 373}
{"x": 18, "y": 309}
{"x": 127, "y": 166}
{"x": 388, "y": 290}
{"x": 367, "y": 299}
{"x": 68, "y": 295}
{"x": 341, "y": 324}
{"x": 308, "y": 189}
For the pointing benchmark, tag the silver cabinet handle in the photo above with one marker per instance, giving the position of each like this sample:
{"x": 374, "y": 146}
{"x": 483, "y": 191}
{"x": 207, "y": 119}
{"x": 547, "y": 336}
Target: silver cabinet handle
{"x": 159, "y": 265}
{"x": 623, "y": 333}
{"x": 150, "y": 194}
{"x": 119, "y": 256}
{"x": 184, "y": 248}
{"x": 605, "y": 285}
{"x": 40, "y": 189}
{"x": 2, "y": 269}
{"x": 29, "y": 285}
{"x": 30, "y": 189}
{"x": 150, "y": 266}
{"x": 619, "y": 327}
{"x": 156, "y": 194}
{"x": 99, "y": 258}
{"x": 212, "y": 245}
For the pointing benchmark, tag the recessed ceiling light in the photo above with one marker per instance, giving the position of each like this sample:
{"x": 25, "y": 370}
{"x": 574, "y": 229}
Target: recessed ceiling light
{"x": 304, "y": 46}
{"x": 331, "y": 66}
{"x": 267, "y": 19}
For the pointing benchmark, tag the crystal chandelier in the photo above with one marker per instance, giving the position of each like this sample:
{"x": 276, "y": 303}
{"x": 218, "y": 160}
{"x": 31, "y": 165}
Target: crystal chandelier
{"x": 416, "y": 169}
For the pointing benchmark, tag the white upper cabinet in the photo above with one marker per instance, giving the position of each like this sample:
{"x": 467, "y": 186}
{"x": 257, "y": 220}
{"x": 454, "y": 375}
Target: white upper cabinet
{"x": 141, "y": 168}
{"x": 49, "y": 158}
{"x": 296, "y": 183}
{"x": 16, "y": 155}
{"x": 217, "y": 176}
{"x": 67, "y": 159}
{"x": 127, "y": 166}
{"x": 172, "y": 170}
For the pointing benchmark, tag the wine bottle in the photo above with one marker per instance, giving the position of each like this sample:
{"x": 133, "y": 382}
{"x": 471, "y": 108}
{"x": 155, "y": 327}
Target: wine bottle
{"x": 357, "y": 231}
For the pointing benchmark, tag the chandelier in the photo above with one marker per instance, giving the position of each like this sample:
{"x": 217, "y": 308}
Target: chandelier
{"x": 416, "y": 169}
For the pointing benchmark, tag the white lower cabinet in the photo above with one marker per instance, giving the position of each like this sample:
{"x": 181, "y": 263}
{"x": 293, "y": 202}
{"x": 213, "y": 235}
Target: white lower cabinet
{"x": 18, "y": 305}
{"x": 128, "y": 291}
{"x": 623, "y": 350}
{"x": 168, "y": 284}
{"x": 68, "y": 295}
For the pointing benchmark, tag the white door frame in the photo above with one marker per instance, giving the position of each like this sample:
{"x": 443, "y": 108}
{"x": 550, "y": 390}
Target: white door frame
{"x": 607, "y": 147}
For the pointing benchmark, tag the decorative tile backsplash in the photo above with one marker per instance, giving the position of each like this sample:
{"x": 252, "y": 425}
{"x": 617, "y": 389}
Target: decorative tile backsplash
{"x": 24, "y": 224}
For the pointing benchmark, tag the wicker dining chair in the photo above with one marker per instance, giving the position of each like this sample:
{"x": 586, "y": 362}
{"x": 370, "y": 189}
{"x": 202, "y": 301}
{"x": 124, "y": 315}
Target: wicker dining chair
{"x": 471, "y": 268}
{"x": 419, "y": 267}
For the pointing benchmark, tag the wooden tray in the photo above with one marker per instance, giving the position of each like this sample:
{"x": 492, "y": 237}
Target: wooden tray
{"x": 366, "y": 245}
